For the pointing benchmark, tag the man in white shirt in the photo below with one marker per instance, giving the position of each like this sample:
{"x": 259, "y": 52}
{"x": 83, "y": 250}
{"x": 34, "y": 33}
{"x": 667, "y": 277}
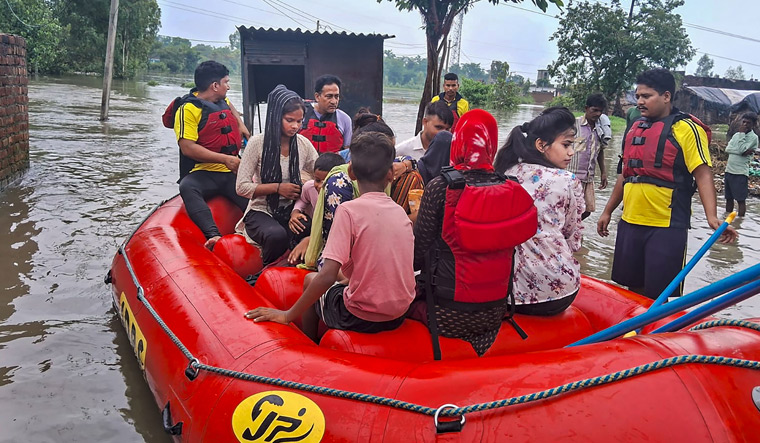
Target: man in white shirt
{"x": 437, "y": 118}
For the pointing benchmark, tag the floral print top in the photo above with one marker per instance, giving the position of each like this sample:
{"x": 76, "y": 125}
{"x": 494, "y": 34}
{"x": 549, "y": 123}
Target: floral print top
{"x": 544, "y": 267}
{"x": 338, "y": 189}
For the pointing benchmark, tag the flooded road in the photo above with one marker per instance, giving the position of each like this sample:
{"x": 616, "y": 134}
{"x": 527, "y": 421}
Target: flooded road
{"x": 67, "y": 371}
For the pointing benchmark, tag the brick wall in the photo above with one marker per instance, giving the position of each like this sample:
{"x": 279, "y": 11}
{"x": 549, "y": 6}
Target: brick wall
{"x": 14, "y": 118}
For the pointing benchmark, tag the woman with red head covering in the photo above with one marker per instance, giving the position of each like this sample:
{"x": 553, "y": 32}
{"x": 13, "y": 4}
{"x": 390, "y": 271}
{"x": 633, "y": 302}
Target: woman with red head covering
{"x": 469, "y": 221}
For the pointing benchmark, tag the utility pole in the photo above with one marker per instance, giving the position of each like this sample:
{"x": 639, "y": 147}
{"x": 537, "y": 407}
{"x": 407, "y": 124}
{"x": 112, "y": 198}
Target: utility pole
{"x": 113, "y": 18}
{"x": 630, "y": 13}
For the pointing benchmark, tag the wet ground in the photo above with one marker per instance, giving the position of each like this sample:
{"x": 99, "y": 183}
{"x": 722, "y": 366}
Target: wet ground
{"x": 67, "y": 371}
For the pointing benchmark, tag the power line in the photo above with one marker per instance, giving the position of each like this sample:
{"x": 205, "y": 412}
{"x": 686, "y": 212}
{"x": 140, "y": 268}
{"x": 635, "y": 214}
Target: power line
{"x": 732, "y": 59}
{"x": 284, "y": 14}
{"x": 692, "y": 25}
{"x": 207, "y": 13}
{"x": 307, "y": 15}
{"x": 718, "y": 31}
{"x": 18, "y": 18}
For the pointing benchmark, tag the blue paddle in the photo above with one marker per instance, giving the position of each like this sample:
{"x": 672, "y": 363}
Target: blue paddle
{"x": 700, "y": 295}
{"x": 720, "y": 303}
{"x": 690, "y": 265}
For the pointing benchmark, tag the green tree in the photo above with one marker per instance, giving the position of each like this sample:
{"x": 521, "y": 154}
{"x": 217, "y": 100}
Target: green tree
{"x": 735, "y": 73}
{"x": 472, "y": 71}
{"x": 36, "y": 22}
{"x": 498, "y": 70}
{"x": 605, "y": 50}
{"x": 508, "y": 89}
{"x": 85, "y": 46}
{"x": 704, "y": 67}
{"x": 137, "y": 28}
{"x": 176, "y": 53}
{"x": 438, "y": 16}
{"x": 402, "y": 70}
{"x": 235, "y": 41}
{"x": 477, "y": 92}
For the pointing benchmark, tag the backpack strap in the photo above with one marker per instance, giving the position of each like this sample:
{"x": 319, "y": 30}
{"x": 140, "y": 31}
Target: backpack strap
{"x": 666, "y": 130}
{"x": 510, "y": 318}
{"x": 432, "y": 323}
{"x": 454, "y": 178}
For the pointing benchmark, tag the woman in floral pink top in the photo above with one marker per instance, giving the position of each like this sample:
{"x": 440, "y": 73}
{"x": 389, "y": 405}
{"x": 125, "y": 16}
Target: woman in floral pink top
{"x": 546, "y": 276}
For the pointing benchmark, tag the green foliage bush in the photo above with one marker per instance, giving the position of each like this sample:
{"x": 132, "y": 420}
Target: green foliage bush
{"x": 562, "y": 100}
{"x": 70, "y": 36}
{"x": 152, "y": 83}
{"x": 477, "y": 93}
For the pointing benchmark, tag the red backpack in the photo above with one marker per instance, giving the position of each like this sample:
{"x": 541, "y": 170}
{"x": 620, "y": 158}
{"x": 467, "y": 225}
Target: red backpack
{"x": 168, "y": 117}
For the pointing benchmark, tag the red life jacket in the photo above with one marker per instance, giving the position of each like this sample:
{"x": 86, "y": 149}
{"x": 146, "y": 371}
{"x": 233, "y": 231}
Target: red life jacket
{"x": 323, "y": 132}
{"x": 470, "y": 267}
{"x": 652, "y": 155}
{"x": 218, "y": 129}
{"x": 481, "y": 226}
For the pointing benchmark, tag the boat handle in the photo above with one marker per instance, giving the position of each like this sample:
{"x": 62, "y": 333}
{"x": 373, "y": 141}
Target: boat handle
{"x": 444, "y": 427}
{"x": 166, "y": 416}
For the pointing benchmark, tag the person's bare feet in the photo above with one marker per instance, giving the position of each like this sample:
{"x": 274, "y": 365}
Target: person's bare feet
{"x": 211, "y": 242}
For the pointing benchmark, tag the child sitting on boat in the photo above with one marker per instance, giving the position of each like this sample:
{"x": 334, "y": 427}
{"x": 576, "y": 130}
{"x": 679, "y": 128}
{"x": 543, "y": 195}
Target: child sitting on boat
{"x": 339, "y": 188}
{"x": 546, "y": 275}
{"x": 303, "y": 210}
{"x": 370, "y": 243}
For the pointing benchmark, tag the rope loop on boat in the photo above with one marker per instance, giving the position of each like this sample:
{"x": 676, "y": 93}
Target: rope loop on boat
{"x": 726, "y": 322}
{"x": 447, "y": 410}
{"x": 522, "y": 399}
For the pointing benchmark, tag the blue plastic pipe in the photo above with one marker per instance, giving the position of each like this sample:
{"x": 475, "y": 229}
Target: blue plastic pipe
{"x": 719, "y": 287}
{"x": 730, "y": 299}
{"x": 663, "y": 297}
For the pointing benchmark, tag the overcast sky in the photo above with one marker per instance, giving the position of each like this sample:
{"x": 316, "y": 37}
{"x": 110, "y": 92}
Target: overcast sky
{"x": 518, "y": 34}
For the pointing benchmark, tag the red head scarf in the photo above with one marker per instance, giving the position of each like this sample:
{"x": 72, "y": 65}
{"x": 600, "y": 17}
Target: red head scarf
{"x": 475, "y": 141}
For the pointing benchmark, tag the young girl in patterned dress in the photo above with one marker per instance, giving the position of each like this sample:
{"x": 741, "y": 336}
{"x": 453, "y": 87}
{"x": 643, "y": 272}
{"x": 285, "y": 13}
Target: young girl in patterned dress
{"x": 546, "y": 277}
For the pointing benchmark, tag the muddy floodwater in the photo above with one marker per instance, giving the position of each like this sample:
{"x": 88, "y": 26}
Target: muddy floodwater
{"x": 67, "y": 371}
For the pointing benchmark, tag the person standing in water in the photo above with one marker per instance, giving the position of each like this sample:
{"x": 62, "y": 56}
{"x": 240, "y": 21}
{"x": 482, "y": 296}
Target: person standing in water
{"x": 665, "y": 159}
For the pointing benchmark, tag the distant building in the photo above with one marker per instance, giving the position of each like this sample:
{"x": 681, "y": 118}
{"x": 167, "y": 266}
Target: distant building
{"x": 296, "y": 58}
{"x": 716, "y": 105}
{"x": 543, "y": 74}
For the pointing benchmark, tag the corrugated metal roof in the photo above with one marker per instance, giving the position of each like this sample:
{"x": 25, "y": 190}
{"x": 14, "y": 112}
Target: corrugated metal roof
{"x": 307, "y": 33}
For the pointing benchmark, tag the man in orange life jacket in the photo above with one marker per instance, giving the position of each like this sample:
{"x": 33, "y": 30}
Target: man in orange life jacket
{"x": 664, "y": 154}
{"x": 327, "y": 127}
{"x": 209, "y": 132}
{"x": 451, "y": 96}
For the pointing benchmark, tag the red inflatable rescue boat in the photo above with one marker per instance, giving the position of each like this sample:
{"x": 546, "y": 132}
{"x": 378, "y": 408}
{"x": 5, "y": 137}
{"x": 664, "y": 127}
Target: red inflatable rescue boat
{"x": 219, "y": 377}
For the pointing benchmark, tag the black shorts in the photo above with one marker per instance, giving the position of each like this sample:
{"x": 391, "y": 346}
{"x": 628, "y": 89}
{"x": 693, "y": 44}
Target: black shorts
{"x": 649, "y": 257}
{"x": 736, "y": 187}
{"x": 332, "y": 310}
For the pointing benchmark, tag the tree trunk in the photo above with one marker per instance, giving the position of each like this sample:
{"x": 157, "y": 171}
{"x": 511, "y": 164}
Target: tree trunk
{"x": 431, "y": 87}
{"x": 617, "y": 111}
{"x": 435, "y": 30}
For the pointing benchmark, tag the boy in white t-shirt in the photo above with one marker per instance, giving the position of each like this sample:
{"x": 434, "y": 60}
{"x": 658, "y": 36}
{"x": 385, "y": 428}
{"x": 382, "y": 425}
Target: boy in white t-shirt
{"x": 371, "y": 244}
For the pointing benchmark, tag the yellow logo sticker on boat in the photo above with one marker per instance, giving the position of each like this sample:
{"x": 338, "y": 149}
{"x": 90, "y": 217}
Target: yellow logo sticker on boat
{"x": 136, "y": 336}
{"x": 278, "y": 417}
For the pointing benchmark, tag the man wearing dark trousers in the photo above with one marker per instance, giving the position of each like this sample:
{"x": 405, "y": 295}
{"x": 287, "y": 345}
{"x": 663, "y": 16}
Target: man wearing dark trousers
{"x": 209, "y": 133}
